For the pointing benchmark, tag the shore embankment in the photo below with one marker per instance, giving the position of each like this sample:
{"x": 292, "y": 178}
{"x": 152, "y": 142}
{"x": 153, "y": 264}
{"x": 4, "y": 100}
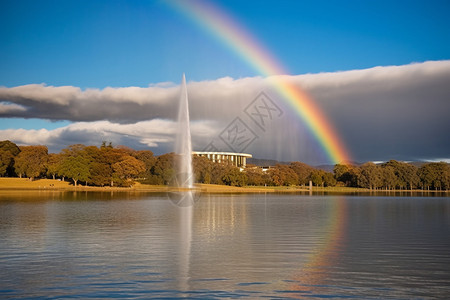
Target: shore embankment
{"x": 18, "y": 184}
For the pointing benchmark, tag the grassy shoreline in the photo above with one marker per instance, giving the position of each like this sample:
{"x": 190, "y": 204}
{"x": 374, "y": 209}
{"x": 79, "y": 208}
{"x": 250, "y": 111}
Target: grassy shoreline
{"x": 23, "y": 184}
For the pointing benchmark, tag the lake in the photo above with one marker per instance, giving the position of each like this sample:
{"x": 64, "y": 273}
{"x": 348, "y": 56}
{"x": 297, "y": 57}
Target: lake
{"x": 138, "y": 246}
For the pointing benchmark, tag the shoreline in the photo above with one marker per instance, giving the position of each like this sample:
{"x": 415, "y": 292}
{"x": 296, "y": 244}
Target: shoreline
{"x": 24, "y": 184}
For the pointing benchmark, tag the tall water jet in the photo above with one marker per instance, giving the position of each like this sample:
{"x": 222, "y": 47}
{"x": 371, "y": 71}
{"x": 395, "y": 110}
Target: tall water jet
{"x": 183, "y": 145}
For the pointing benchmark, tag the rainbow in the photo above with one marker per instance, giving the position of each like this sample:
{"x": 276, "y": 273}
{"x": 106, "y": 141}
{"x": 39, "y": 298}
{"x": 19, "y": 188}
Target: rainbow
{"x": 221, "y": 26}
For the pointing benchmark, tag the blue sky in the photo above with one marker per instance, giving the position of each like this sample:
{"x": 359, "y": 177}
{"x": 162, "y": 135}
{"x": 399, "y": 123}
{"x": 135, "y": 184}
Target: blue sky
{"x": 98, "y": 44}
{"x": 134, "y": 43}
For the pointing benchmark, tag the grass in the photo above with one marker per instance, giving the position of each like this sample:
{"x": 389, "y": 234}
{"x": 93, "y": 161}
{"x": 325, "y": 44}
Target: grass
{"x": 14, "y": 184}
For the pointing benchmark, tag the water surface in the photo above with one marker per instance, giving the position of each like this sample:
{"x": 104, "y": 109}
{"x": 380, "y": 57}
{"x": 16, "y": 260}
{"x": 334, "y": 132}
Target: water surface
{"x": 138, "y": 245}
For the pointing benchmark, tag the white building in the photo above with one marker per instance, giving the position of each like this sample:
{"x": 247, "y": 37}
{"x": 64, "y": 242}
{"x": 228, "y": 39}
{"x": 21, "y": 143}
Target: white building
{"x": 237, "y": 159}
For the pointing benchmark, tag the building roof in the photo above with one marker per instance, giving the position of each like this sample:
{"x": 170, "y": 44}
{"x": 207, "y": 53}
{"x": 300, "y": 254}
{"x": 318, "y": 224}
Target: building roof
{"x": 222, "y": 153}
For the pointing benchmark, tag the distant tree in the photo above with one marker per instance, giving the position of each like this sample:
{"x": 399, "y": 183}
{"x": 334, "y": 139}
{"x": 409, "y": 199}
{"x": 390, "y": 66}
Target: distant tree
{"x": 389, "y": 179}
{"x": 218, "y": 172}
{"x": 31, "y": 161}
{"x": 255, "y": 175}
{"x": 54, "y": 164}
{"x": 406, "y": 174}
{"x": 146, "y": 156}
{"x": 347, "y": 174}
{"x": 164, "y": 168}
{"x": 370, "y": 176}
{"x": 8, "y": 151}
{"x": 328, "y": 179}
{"x": 317, "y": 177}
{"x": 202, "y": 169}
{"x": 435, "y": 176}
{"x": 234, "y": 177}
{"x": 303, "y": 172}
{"x": 75, "y": 163}
{"x": 128, "y": 168}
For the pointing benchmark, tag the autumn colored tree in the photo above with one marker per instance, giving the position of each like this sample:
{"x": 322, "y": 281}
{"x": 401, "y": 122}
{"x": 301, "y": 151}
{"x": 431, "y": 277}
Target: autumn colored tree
{"x": 146, "y": 156}
{"x": 8, "y": 151}
{"x": 303, "y": 172}
{"x": 31, "y": 161}
{"x": 255, "y": 175}
{"x": 127, "y": 168}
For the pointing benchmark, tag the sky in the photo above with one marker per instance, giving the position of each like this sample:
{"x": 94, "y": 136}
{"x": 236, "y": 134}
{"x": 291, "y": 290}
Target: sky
{"x": 87, "y": 71}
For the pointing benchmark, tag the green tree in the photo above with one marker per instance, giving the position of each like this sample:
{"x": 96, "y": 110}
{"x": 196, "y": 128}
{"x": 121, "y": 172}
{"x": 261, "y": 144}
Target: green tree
{"x": 435, "y": 176}
{"x": 389, "y": 179}
{"x": 406, "y": 174}
{"x": 8, "y": 151}
{"x": 234, "y": 177}
{"x": 202, "y": 169}
{"x": 328, "y": 179}
{"x": 53, "y": 164}
{"x": 163, "y": 170}
{"x": 31, "y": 161}
{"x": 317, "y": 177}
{"x": 347, "y": 174}
{"x": 75, "y": 163}
{"x": 370, "y": 176}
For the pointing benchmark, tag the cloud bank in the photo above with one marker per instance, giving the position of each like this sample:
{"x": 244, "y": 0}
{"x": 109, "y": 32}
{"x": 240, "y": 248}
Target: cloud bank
{"x": 398, "y": 112}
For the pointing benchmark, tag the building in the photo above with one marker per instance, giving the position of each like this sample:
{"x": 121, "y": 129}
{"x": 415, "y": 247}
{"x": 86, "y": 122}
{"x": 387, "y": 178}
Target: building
{"x": 236, "y": 159}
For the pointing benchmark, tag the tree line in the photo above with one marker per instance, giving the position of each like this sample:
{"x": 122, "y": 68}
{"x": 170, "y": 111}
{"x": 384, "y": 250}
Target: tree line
{"x": 122, "y": 166}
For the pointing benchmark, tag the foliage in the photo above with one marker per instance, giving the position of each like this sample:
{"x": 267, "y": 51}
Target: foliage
{"x": 120, "y": 166}
{"x": 8, "y": 151}
{"x": 31, "y": 161}
{"x": 234, "y": 177}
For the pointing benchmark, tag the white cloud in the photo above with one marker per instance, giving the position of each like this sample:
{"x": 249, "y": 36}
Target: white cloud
{"x": 11, "y": 108}
{"x": 394, "y": 112}
{"x": 146, "y": 134}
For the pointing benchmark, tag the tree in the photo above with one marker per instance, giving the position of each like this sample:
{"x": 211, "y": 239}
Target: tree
{"x": 346, "y": 174}
{"x": 128, "y": 168}
{"x": 255, "y": 175}
{"x": 303, "y": 172}
{"x": 75, "y": 163}
{"x": 389, "y": 180}
{"x": 370, "y": 176}
{"x": 282, "y": 175}
{"x": 317, "y": 177}
{"x": 31, "y": 161}
{"x": 53, "y": 164}
{"x": 8, "y": 151}
{"x": 146, "y": 156}
{"x": 163, "y": 170}
{"x": 202, "y": 169}
{"x": 234, "y": 177}
{"x": 328, "y": 179}
{"x": 406, "y": 174}
{"x": 435, "y": 175}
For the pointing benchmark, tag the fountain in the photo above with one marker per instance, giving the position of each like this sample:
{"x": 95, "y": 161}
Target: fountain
{"x": 183, "y": 146}
{"x": 182, "y": 188}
